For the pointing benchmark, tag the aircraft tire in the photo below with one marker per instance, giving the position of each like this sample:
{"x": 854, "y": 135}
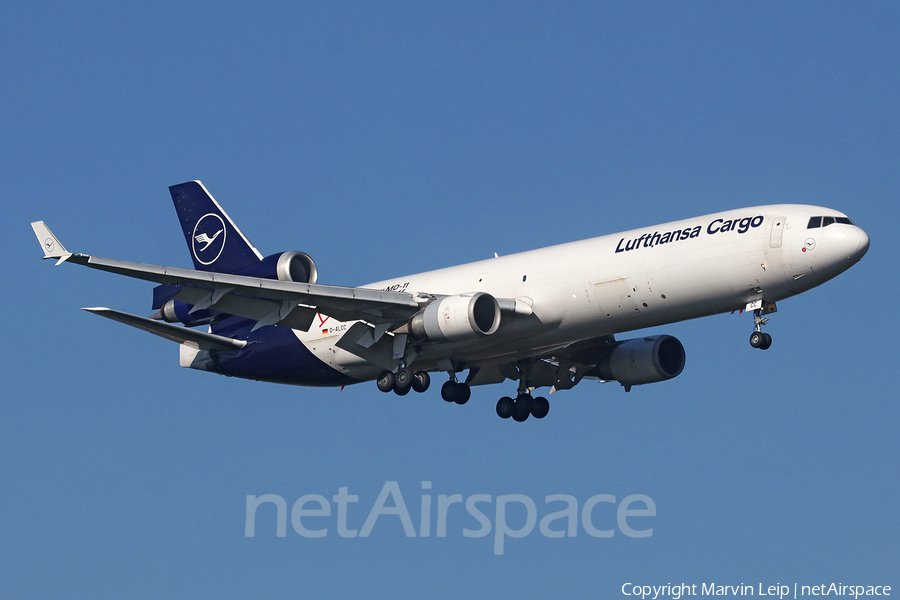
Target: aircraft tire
{"x": 462, "y": 393}
{"x": 421, "y": 381}
{"x": 522, "y": 408}
{"x": 447, "y": 391}
{"x": 403, "y": 379}
{"x": 756, "y": 339}
{"x": 767, "y": 341}
{"x": 540, "y": 407}
{"x": 385, "y": 381}
{"x": 505, "y": 407}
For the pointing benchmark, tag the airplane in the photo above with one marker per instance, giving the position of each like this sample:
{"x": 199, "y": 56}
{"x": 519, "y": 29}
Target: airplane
{"x": 543, "y": 318}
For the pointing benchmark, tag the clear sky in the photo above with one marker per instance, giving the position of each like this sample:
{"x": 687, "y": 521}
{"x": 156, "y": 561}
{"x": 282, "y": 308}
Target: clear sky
{"x": 386, "y": 140}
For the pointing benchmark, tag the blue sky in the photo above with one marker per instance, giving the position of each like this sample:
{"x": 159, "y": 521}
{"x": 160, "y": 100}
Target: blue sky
{"x": 389, "y": 140}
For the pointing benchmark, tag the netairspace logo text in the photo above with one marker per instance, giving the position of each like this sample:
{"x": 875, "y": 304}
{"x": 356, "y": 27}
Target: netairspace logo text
{"x": 313, "y": 515}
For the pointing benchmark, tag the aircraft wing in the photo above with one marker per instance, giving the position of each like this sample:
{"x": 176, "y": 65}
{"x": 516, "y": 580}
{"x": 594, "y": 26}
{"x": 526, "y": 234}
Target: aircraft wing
{"x": 268, "y": 301}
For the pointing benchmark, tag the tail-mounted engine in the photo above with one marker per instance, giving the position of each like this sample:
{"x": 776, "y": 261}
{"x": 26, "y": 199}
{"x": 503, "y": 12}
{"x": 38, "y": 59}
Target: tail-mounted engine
{"x": 293, "y": 266}
{"x": 457, "y": 318}
{"x": 643, "y": 360}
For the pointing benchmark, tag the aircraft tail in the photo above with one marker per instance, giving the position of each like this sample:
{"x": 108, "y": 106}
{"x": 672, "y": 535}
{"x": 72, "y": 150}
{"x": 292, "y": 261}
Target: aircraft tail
{"x": 215, "y": 242}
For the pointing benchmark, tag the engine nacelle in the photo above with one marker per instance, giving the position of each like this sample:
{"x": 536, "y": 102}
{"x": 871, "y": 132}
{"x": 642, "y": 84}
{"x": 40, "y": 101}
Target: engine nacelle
{"x": 175, "y": 311}
{"x": 644, "y": 360}
{"x": 285, "y": 266}
{"x": 457, "y": 318}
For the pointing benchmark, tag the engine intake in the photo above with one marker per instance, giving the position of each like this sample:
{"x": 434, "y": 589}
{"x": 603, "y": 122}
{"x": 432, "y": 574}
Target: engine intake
{"x": 457, "y": 318}
{"x": 644, "y": 360}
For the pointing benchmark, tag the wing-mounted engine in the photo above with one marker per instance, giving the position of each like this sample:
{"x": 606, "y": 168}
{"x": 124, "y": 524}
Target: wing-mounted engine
{"x": 174, "y": 311}
{"x": 642, "y": 360}
{"x": 457, "y": 318}
{"x": 295, "y": 266}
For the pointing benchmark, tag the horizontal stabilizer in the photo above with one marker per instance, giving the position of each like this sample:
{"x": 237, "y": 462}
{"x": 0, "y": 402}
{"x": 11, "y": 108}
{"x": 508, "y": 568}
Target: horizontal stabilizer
{"x": 175, "y": 333}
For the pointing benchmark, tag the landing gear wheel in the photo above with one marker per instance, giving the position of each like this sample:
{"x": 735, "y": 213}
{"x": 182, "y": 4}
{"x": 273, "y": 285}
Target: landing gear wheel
{"x": 421, "y": 381}
{"x": 522, "y": 408}
{"x": 767, "y": 341}
{"x": 540, "y": 407}
{"x": 463, "y": 393}
{"x": 757, "y": 338}
{"x": 403, "y": 379}
{"x": 505, "y": 407}
{"x": 385, "y": 381}
{"x": 447, "y": 391}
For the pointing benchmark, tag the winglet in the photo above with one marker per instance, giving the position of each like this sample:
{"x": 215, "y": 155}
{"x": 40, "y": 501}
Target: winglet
{"x": 51, "y": 245}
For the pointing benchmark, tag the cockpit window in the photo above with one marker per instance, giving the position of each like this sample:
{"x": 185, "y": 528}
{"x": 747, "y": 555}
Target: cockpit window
{"x": 815, "y": 222}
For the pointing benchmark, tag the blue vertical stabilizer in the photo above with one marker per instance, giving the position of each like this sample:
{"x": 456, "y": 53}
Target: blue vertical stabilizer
{"x": 215, "y": 242}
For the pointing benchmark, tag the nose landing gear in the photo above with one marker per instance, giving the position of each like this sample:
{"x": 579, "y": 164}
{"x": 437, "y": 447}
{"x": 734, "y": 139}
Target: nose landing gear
{"x": 758, "y": 339}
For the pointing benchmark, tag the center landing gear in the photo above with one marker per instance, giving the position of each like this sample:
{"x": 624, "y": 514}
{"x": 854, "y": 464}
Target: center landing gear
{"x": 524, "y": 404}
{"x": 454, "y": 391}
{"x": 758, "y": 339}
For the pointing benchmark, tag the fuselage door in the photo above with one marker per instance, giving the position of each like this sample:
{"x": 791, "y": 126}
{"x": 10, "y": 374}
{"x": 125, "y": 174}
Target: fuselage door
{"x": 777, "y": 232}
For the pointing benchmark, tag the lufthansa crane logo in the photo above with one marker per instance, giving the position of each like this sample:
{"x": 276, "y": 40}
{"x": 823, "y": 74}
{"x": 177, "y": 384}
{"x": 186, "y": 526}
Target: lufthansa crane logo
{"x": 208, "y": 239}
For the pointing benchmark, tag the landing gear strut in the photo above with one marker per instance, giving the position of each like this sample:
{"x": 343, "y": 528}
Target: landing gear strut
{"x": 758, "y": 339}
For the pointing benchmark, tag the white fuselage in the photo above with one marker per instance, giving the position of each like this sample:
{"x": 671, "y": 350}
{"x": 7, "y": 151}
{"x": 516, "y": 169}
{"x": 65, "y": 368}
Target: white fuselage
{"x": 626, "y": 281}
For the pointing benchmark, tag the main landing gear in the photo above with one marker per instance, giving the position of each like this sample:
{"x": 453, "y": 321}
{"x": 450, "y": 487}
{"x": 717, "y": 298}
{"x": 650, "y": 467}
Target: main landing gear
{"x": 524, "y": 404}
{"x": 758, "y": 339}
{"x": 403, "y": 380}
{"x": 458, "y": 392}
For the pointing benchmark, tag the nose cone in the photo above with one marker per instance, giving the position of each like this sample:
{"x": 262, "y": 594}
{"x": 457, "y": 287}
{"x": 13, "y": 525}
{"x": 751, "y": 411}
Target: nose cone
{"x": 845, "y": 243}
{"x": 863, "y": 246}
